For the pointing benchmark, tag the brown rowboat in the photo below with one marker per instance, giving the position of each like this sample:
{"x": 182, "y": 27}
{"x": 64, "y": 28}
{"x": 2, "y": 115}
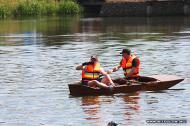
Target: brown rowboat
{"x": 144, "y": 83}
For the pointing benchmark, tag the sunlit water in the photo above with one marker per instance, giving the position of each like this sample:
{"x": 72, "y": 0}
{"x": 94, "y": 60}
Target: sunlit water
{"x": 38, "y": 59}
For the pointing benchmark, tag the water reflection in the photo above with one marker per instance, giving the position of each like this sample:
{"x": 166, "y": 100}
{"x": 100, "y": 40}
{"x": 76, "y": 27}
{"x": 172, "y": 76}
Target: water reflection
{"x": 91, "y": 107}
{"x": 130, "y": 108}
{"x": 74, "y": 29}
{"x": 15, "y": 32}
{"x": 132, "y": 101}
{"x": 94, "y": 110}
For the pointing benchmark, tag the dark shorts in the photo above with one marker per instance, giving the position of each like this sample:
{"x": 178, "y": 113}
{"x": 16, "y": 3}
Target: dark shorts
{"x": 85, "y": 82}
{"x": 99, "y": 79}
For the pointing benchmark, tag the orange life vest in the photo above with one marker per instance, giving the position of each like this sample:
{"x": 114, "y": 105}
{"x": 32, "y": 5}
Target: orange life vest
{"x": 127, "y": 66}
{"x": 91, "y": 72}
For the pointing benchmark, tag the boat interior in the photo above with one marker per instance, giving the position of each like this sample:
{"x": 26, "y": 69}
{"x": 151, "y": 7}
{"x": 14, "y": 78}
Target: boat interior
{"x": 141, "y": 79}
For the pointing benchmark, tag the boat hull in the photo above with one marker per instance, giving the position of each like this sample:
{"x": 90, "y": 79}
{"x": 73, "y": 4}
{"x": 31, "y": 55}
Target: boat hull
{"x": 78, "y": 89}
{"x": 163, "y": 82}
{"x": 150, "y": 83}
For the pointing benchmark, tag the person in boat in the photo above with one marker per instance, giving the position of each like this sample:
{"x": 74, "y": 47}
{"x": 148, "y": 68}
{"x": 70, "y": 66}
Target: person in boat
{"x": 91, "y": 72}
{"x": 130, "y": 64}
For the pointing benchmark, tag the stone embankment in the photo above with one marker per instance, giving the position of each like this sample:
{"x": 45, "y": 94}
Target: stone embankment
{"x": 146, "y": 8}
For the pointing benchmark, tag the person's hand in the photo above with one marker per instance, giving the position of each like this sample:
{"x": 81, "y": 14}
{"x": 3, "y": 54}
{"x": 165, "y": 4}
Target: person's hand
{"x": 109, "y": 71}
{"x": 114, "y": 69}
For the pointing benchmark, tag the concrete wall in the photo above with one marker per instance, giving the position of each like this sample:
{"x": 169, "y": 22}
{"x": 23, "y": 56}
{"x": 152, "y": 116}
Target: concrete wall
{"x": 153, "y": 8}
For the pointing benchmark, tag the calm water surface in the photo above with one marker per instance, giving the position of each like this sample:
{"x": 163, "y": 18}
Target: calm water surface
{"x": 38, "y": 59}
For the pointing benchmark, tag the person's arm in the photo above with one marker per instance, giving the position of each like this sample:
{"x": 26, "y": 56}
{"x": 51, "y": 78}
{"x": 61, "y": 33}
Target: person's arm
{"x": 117, "y": 67}
{"x": 114, "y": 69}
{"x": 107, "y": 76}
{"x": 80, "y": 67}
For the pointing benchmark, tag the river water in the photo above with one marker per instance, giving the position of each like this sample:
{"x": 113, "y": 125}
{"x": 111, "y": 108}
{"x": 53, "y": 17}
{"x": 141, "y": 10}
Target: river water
{"x": 38, "y": 58}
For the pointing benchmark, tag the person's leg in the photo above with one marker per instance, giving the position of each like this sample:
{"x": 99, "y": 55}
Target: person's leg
{"x": 105, "y": 81}
{"x": 96, "y": 83}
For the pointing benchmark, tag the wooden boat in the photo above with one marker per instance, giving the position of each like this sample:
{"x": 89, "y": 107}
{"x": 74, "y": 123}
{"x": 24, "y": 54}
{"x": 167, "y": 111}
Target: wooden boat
{"x": 144, "y": 83}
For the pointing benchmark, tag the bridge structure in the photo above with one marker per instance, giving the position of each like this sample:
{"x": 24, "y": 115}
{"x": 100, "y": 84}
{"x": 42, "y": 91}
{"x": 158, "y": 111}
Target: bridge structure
{"x": 136, "y": 7}
{"x": 91, "y": 6}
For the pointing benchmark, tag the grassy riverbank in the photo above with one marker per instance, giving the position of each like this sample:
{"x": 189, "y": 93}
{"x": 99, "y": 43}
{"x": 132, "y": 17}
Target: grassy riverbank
{"x": 14, "y": 8}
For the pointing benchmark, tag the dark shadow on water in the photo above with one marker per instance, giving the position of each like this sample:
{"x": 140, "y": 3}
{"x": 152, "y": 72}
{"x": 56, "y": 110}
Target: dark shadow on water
{"x": 177, "y": 89}
{"x": 165, "y": 91}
